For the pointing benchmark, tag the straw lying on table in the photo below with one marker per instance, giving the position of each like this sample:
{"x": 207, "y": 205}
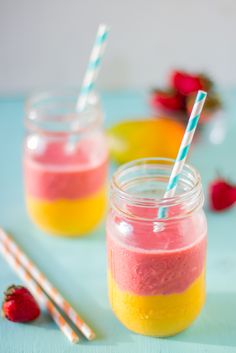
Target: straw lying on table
{"x": 36, "y": 280}
{"x": 39, "y": 294}
{"x": 184, "y": 147}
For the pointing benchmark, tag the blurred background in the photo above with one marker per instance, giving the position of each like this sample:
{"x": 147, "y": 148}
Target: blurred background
{"x": 47, "y": 43}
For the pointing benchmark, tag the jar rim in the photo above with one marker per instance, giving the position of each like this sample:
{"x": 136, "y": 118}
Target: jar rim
{"x": 40, "y": 115}
{"x": 155, "y": 201}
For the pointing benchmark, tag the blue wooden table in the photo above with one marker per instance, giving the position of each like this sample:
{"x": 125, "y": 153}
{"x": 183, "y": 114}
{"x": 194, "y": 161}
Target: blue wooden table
{"x": 78, "y": 266}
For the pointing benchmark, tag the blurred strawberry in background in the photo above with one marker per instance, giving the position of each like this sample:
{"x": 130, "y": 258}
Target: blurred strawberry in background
{"x": 212, "y": 105}
{"x": 169, "y": 99}
{"x": 185, "y": 83}
{"x": 161, "y": 134}
{"x": 178, "y": 99}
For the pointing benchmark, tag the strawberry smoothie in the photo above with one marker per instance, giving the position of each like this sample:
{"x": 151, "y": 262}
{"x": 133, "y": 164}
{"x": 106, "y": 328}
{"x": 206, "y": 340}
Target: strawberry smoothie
{"x": 63, "y": 186}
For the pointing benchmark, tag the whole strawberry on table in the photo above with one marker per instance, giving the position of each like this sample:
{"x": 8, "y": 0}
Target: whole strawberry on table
{"x": 221, "y": 194}
{"x": 19, "y": 305}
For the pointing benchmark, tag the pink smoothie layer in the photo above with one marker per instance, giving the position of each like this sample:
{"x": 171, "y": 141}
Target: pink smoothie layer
{"x": 53, "y": 172}
{"x": 148, "y": 261}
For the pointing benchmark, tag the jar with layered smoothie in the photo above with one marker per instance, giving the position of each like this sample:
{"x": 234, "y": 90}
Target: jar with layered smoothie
{"x": 65, "y": 163}
{"x": 156, "y": 267}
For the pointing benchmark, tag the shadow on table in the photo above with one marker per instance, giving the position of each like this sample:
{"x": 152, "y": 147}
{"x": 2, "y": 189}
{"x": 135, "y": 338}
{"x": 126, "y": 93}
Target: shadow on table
{"x": 44, "y": 321}
{"x": 217, "y": 323}
{"x": 113, "y": 334}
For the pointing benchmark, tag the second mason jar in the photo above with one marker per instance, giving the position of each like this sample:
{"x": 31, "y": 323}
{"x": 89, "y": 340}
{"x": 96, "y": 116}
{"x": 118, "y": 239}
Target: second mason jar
{"x": 65, "y": 163}
{"x": 156, "y": 266}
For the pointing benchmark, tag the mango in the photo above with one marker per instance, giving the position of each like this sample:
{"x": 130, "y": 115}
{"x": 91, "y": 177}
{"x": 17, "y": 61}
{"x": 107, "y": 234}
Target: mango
{"x": 146, "y": 137}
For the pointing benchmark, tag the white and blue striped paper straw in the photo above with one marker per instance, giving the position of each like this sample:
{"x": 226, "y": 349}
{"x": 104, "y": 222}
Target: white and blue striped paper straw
{"x": 184, "y": 148}
{"x": 94, "y": 66}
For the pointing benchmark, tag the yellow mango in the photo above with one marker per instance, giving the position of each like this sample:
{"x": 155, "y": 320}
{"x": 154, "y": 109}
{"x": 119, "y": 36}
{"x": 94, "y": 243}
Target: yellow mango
{"x": 152, "y": 137}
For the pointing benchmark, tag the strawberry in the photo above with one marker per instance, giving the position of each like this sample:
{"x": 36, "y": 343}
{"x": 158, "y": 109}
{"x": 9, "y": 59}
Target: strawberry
{"x": 19, "y": 305}
{"x": 168, "y": 99}
{"x": 212, "y": 104}
{"x": 222, "y": 195}
{"x": 186, "y": 84}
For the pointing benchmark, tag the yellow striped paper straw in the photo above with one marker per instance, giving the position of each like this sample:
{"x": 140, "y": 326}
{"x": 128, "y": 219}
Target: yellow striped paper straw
{"x": 46, "y": 285}
{"x": 184, "y": 148}
{"x": 39, "y": 294}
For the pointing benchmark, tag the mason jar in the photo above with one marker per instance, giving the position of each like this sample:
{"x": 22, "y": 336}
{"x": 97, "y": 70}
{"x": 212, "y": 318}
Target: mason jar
{"x": 156, "y": 266}
{"x": 65, "y": 163}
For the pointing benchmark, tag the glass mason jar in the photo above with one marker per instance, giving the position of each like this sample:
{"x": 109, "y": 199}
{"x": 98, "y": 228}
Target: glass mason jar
{"x": 65, "y": 163}
{"x": 156, "y": 267}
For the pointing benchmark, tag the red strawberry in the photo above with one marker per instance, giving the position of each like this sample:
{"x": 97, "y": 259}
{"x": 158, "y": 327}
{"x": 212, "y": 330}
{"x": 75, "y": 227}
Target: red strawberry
{"x": 186, "y": 84}
{"x": 222, "y": 195}
{"x": 169, "y": 100}
{"x": 19, "y": 305}
{"x": 212, "y": 104}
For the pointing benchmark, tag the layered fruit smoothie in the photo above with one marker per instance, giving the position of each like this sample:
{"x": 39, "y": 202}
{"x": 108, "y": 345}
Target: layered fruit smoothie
{"x": 156, "y": 279}
{"x": 156, "y": 270}
{"x": 66, "y": 187}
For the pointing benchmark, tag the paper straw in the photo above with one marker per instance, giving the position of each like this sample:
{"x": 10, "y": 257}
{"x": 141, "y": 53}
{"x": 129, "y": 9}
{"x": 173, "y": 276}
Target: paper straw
{"x": 39, "y": 294}
{"x": 184, "y": 148}
{"x": 46, "y": 285}
{"x": 94, "y": 66}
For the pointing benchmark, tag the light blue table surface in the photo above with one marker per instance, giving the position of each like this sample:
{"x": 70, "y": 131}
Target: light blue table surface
{"x": 78, "y": 266}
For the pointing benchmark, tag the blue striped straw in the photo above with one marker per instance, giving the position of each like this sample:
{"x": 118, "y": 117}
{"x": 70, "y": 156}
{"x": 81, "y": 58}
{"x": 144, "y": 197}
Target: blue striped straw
{"x": 93, "y": 68}
{"x": 184, "y": 148}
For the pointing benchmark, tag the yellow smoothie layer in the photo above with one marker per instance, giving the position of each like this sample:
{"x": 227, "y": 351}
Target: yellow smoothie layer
{"x": 158, "y": 315}
{"x": 68, "y": 217}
